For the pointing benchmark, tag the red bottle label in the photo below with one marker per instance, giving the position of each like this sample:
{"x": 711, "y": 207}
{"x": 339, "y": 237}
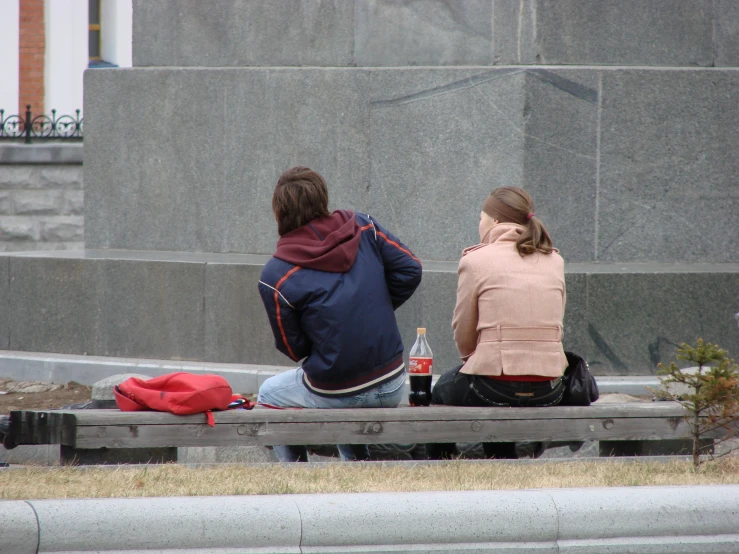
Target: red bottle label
{"x": 423, "y": 366}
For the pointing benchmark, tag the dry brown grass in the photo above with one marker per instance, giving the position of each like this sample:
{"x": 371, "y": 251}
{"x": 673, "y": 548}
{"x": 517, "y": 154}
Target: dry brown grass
{"x": 176, "y": 480}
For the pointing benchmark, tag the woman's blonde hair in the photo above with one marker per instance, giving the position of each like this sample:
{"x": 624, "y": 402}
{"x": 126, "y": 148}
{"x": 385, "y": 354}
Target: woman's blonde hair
{"x": 515, "y": 205}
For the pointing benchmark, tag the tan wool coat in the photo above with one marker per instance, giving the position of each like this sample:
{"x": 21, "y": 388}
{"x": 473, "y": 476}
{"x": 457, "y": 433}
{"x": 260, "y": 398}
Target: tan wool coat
{"x": 509, "y": 312}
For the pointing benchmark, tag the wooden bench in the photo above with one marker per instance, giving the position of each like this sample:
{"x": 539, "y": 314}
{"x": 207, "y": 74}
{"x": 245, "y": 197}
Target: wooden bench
{"x": 85, "y": 434}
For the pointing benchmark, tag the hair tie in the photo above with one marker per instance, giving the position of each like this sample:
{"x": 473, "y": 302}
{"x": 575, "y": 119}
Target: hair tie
{"x": 528, "y": 217}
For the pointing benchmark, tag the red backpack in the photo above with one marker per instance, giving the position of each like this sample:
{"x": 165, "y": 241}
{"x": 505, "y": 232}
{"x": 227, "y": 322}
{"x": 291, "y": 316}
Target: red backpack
{"x": 178, "y": 393}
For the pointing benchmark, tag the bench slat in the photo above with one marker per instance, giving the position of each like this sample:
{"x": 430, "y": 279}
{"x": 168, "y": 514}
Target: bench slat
{"x": 437, "y": 413}
{"x": 473, "y": 430}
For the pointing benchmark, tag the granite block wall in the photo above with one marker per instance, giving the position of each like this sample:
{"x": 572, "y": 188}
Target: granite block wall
{"x": 607, "y": 32}
{"x": 107, "y": 307}
{"x": 239, "y": 33}
{"x": 440, "y": 139}
{"x": 726, "y": 31}
{"x": 619, "y": 116}
{"x": 54, "y": 305}
{"x": 208, "y": 187}
{"x": 668, "y": 170}
{"x": 41, "y": 207}
{"x": 432, "y": 33}
{"x": 345, "y": 33}
{"x": 561, "y": 130}
{"x": 236, "y": 325}
{"x": 624, "y": 319}
{"x": 637, "y": 319}
{"x": 625, "y": 164}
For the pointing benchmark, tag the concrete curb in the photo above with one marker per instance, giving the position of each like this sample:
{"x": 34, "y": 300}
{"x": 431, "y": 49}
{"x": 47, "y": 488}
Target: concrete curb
{"x": 244, "y": 378}
{"x": 630, "y": 519}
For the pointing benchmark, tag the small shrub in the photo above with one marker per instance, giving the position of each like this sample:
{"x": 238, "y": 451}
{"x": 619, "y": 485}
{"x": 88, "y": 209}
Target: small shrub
{"x": 710, "y": 393}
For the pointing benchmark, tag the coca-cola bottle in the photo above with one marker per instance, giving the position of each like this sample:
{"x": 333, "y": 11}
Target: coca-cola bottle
{"x": 420, "y": 368}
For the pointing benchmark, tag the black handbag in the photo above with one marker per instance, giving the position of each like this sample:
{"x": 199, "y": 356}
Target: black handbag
{"x": 580, "y": 386}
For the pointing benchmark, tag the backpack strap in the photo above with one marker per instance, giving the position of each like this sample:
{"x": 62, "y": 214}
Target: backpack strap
{"x": 240, "y": 403}
{"x": 237, "y": 403}
{"x": 271, "y": 407}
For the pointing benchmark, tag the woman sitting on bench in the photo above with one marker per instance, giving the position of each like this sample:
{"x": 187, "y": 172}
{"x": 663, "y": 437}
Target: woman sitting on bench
{"x": 508, "y": 317}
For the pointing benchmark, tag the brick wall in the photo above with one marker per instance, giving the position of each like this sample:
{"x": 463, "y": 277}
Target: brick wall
{"x": 41, "y": 207}
{"x": 31, "y": 58}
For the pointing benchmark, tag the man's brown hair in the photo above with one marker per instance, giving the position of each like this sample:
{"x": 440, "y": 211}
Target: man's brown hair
{"x": 300, "y": 196}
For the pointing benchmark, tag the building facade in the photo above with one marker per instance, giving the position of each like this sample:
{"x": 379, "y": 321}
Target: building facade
{"x": 44, "y": 54}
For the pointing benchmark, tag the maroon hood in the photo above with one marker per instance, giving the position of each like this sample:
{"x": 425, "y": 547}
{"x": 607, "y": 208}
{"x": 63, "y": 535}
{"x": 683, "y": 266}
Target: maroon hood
{"x": 329, "y": 243}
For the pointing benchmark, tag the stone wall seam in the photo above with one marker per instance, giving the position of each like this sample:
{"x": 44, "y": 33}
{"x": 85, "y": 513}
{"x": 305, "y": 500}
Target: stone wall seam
{"x": 370, "y": 196}
{"x": 9, "y": 296}
{"x": 493, "y": 60}
{"x": 353, "y": 53}
{"x": 597, "y": 162}
{"x": 519, "y": 24}
{"x": 203, "y": 305}
{"x": 713, "y": 33}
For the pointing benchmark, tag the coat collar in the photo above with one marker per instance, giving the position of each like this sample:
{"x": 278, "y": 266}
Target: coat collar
{"x": 502, "y": 232}
{"x": 506, "y": 232}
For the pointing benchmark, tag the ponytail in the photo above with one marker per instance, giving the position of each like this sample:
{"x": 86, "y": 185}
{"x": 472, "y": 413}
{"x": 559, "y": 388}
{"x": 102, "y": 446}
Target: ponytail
{"x": 514, "y": 205}
{"x": 534, "y": 239}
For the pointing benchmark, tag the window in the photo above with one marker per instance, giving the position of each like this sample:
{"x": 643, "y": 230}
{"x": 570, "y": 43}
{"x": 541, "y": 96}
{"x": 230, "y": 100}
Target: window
{"x": 109, "y": 32}
{"x": 94, "y": 40}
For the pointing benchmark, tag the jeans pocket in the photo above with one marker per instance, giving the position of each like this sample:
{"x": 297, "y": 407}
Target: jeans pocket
{"x": 390, "y": 394}
{"x": 358, "y": 400}
{"x": 501, "y": 400}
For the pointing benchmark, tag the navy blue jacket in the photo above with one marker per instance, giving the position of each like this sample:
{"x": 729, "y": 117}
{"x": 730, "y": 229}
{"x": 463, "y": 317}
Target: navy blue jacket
{"x": 330, "y": 292}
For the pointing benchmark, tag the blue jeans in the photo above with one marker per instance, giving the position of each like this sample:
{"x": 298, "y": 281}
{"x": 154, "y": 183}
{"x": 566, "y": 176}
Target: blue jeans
{"x": 286, "y": 390}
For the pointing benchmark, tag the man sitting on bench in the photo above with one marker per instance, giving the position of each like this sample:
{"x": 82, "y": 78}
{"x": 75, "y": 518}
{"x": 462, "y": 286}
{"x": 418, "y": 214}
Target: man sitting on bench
{"x": 330, "y": 291}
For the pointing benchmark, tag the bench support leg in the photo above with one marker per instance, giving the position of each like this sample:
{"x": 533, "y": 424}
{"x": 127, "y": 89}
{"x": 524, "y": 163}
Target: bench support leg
{"x": 113, "y": 456}
{"x": 671, "y": 447}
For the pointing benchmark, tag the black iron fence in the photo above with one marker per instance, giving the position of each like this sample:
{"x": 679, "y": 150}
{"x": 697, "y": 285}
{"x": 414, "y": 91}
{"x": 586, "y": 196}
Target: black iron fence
{"x": 64, "y": 127}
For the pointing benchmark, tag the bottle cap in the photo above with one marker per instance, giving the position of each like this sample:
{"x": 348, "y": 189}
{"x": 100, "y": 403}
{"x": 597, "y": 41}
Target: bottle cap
{"x": 421, "y": 330}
